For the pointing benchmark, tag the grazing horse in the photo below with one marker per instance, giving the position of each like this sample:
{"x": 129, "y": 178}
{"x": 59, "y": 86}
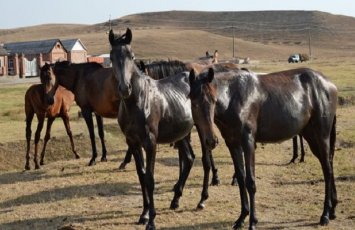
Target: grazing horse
{"x": 248, "y": 108}
{"x": 37, "y": 103}
{"x": 93, "y": 87}
{"x": 151, "y": 111}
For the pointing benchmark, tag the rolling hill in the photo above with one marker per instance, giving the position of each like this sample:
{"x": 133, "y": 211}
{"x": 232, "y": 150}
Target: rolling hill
{"x": 270, "y": 35}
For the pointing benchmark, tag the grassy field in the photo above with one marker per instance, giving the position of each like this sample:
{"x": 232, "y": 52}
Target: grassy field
{"x": 67, "y": 194}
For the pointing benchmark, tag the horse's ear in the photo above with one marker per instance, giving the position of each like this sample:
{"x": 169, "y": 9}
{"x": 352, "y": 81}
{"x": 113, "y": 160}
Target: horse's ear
{"x": 192, "y": 76}
{"x": 142, "y": 65}
{"x": 111, "y": 37}
{"x": 210, "y": 74}
{"x": 128, "y": 37}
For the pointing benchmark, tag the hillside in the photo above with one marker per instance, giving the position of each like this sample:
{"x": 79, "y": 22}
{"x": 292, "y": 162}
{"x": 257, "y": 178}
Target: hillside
{"x": 188, "y": 34}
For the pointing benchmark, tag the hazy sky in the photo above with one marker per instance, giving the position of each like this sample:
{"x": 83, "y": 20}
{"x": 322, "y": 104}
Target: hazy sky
{"x": 20, "y": 13}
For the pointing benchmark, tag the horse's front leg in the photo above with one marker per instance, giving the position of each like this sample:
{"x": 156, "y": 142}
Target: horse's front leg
{"x": 29, "y": 118}
{"x": 238, "y": 162}
{"x": 87, "y": 114}
{"x": 100, "y": 127}
{"x": 206, "y": 170}
{"x": 150, "y": 149}
{"x": 38, "y": 136}
{"x": 248, "y": 144}
{"x": 136, "y": 150}
{"x": 186, "y": 158}
{"x": 46, "y": 138}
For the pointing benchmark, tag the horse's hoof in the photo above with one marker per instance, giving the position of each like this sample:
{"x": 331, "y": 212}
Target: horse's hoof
{"x": 37, "y": 167}
{"x": 201, "y": 206}
{"x": 252, "y": 227}
{"x": 238, "y": 225}
{"x": 122, "y": 166}
{"x": 332, "y": 215}
{"x": 174, "y": 205}
{"x": 27, "y": 167}
{"x": 215, "y": 182}
{"x": 142, "y": 220}
{"x": 77, "y": 157}
{"x": 324, "y": 220}
{"x": 92, "y": 162}
{"x": 41, "y": 162}
{"x": 103, "y": 159}
{"x": 150, "y": 227}
{"x": 234, "y": 182}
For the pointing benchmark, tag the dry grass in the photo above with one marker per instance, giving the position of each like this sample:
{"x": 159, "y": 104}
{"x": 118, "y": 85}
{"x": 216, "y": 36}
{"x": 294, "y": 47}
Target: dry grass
{"x": 67, "y": 193}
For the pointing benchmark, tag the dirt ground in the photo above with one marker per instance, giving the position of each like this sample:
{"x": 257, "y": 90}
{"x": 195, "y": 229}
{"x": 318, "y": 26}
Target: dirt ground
{"x": 67, "y": 194}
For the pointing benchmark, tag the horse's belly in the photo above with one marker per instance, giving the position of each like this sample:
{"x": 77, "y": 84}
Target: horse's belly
{"x": 170, "y": 132}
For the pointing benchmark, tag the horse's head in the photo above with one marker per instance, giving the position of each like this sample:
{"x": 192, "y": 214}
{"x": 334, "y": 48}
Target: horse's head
{"x": 49, "y": 81}
{"x": 203, "y": 102}
{"x": 122, "y": 59}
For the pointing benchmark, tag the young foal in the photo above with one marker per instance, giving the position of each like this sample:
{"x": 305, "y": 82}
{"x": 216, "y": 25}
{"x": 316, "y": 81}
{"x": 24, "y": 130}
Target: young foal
{"x": 248, "y": 108}
{"x": 37, "y": 103}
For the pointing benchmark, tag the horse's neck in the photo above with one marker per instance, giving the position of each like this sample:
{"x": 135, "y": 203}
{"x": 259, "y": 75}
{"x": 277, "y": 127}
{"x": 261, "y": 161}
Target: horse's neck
{"x": 69, "y": 81}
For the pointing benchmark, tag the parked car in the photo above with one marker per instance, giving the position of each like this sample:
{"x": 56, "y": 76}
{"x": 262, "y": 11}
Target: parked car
{"x": 294, "y": 58}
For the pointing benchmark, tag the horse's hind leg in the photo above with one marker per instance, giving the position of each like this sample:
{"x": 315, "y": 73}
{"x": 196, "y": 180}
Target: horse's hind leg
{"x": 334, "y": 198}
{"x": 215, "y": 178}
{"x": 46, "y": 138}
{"x": 65, "y": 119}
{"x": 188, "y": 157}
{"x": 302, "y": 149}
{"x": 320, "y": 148}
{"x": 38, "y": 136}
{"x": 100, "y": 126}
{"x": 29, "y": 118}
{"x": 87, "y": 114}
{"x": 295, "y": 150}
{"x": 248, "y": 144}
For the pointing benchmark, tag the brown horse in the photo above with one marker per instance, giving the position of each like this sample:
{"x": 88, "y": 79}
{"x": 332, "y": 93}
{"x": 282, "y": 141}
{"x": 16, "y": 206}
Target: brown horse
{"x": 248, "y": 108}
{"x": 95, "y": 92}
{"x": 57, "y": 106}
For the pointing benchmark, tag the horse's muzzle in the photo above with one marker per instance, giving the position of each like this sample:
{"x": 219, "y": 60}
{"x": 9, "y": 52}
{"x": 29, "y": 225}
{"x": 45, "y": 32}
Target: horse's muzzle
{"x": 125, "y": 91}
{"x": 50, "y": 100}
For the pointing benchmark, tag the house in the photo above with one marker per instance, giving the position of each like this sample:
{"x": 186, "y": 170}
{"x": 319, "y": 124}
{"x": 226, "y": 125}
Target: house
{"x": 25, "y": 58}
{"x": 3, "y": 61}
{"x": 77, "y": 52}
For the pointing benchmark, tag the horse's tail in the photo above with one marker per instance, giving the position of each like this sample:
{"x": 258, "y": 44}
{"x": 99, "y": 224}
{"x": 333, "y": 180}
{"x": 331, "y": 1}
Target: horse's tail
{"x": 332, "y": 139}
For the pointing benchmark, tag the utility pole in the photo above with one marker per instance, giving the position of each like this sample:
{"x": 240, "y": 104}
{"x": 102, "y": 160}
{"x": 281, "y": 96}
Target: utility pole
{"x": 233, "y": 40}
{"x": 309, "y": 43}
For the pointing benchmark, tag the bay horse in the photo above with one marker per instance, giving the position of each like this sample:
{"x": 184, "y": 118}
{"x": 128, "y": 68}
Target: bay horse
{"x": 44, "y": 107}
{"x": 151, "y": 111}
{"x": 248, "y": 108}
{"x": 93, "y": 87}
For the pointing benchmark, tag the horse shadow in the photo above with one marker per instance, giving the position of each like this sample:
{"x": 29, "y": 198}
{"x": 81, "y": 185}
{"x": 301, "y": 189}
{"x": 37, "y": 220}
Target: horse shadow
{"x": 69, "y": 192}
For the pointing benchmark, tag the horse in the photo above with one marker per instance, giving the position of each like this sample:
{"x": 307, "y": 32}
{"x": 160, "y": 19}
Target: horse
{"x": 295, "y": 149}
{"x": 93, "y": 87}
{"x": 248, "y": 108}
{"x": 151, "y": 111}
{"x": 44, "y": 107}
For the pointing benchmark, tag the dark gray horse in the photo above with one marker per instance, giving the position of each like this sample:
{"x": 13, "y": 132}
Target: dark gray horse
{"x": 151, "y": 112}
{"x": 248, "y": 108}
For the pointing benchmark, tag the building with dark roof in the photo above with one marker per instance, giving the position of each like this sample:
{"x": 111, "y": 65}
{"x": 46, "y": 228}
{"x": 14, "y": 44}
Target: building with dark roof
{"x": 77, "y": 52}
{"x": 25, "y": 58}
{"x": 3, "y": 61}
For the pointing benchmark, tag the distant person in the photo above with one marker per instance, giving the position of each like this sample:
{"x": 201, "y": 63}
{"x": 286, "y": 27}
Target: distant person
{"x": 215, "y": 57}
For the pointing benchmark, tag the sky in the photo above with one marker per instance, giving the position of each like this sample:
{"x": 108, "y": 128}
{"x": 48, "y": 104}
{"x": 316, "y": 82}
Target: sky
{"x": 23, "y": 13}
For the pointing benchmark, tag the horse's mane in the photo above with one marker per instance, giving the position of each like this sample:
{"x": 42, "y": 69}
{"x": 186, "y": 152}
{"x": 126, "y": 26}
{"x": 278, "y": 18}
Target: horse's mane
{"x": 162, "y": 69}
